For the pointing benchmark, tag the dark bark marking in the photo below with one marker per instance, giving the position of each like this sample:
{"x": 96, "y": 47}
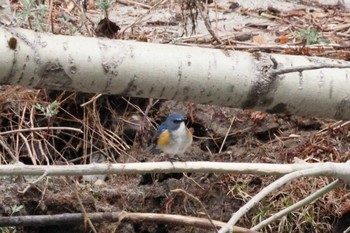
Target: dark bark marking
{"x": 331, "y": 90}
{"x": 279, "y": 108}
{"x": 140, "y": 93}
{"x": 261, "y": 92}
{"x": 52, "y": 75}
{"x": 162, "y": 92}
{"x": 108, "y": 83}
{"x": 65, "y": 46}
{"x": 175, "y": 94}
{"x": 231, "y": 88}
{"x": 73, "y": 69}
{"x": 20, "y": 78}
{"x": 258, "y": 96}
{"x": 209, "y": 69}
{"x": 343, "y": 110}
{"x": 12, "y": 43}
{"x": 186, "y": 90}
{"x": 130, "y": 87}
{"x": 110, "y": 64}
{"x": 31, "y": 81}
{"x": 151, "y": 90}
{"x": 179, "y": 73}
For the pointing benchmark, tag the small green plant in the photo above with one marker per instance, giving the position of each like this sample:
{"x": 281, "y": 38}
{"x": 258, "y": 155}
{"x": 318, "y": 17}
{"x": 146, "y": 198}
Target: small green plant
{"x": 14, "y": 210}
{"x": 312, "y": 36}
{"x": 240, "y": 191}
{"x": 49, "y": 111}
{"x": 177, "y": 41}
{"x": 287, "y": 201}
{"x": 105, "y": 5}
{"x": 261, "y": 212}
{"x": 33, "y": 15}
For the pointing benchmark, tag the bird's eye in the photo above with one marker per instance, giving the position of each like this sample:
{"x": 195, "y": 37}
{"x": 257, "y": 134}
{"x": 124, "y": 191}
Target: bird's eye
{"x": 177, "y": 121}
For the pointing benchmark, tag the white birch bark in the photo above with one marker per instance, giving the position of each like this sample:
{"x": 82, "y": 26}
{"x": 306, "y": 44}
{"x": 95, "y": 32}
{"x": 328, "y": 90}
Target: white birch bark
{"x": 308, "y": 86}
{"x": 166, "y": 167}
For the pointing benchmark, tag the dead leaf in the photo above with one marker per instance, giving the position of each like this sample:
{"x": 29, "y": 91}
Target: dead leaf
{"x": 283, "y": 39}
{"x": 260, "y": 39}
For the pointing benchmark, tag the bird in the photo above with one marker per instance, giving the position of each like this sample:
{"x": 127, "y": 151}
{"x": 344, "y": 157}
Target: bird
{"x": 173, "y": 137}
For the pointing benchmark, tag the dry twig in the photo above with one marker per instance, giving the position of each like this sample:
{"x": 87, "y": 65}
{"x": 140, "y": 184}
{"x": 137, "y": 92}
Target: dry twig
{"x": 69, "y": 218}
{"x": 143, "y": 15}
{"x": 205, "y": 17}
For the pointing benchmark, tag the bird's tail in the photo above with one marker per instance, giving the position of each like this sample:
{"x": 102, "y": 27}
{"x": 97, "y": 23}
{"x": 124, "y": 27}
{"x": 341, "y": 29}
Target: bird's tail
{"x": 153, "y": 149}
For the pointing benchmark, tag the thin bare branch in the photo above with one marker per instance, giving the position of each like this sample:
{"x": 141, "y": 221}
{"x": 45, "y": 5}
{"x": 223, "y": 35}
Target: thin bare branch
{"x": 162, "y": 167}
{"x": 34, "y": 220}
{"x": 40, "y": 129}
{"x": 205, "y": 17}
{"x": 143, "y": 15}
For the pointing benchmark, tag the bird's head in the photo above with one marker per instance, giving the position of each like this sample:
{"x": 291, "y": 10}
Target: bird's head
{"x": 174, "y": 121}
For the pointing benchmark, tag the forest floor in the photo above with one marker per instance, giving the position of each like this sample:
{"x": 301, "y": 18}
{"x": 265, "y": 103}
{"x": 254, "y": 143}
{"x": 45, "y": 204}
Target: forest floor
{"x": 121, "y": 129}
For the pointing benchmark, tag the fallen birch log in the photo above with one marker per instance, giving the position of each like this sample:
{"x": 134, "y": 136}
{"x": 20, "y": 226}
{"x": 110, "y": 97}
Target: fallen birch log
{"x": 309, "y": 86}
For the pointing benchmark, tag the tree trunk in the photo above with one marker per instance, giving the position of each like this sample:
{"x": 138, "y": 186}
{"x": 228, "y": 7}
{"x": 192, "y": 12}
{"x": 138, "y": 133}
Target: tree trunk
{"x": 309, "y": 86}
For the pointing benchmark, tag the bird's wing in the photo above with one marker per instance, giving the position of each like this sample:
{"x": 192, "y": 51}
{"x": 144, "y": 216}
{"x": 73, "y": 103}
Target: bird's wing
{"x": 154, "y": 148}
{"x": 162, "y": 128}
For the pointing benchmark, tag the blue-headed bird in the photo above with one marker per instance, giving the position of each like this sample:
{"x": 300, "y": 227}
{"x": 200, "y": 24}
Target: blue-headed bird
{"x": 173, "y": 137}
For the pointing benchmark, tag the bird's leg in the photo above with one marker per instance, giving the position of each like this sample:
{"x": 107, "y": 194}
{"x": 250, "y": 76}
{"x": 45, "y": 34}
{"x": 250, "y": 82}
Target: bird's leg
{"x": 177, "y": 158}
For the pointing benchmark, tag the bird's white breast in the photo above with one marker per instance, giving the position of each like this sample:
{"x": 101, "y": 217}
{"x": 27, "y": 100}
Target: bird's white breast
{"x": 179, "y": 140}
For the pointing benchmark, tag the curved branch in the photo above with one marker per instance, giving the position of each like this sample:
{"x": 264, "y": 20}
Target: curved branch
{"x": 325, "y": 169}
{"x": 305, "y": 201}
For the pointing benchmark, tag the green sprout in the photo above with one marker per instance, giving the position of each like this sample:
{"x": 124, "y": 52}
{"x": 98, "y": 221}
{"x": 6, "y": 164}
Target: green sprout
{"x": 49, "y": 111}
{"x": 105, "y": 5}
{"x": 14, "y": 210}
{"x": 312, "y": 36}
{"x": 32, "y": 14}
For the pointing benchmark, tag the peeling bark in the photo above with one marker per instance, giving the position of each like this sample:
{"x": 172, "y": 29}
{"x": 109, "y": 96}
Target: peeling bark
{"x": 275, "y": 83}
